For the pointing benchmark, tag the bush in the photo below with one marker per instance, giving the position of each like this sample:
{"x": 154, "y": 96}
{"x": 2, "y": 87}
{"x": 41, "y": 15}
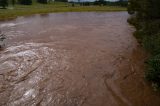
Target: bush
{"x": 152, "y": 44}
{"x": 153, "y": 72}
{"x": 134, "y": 21}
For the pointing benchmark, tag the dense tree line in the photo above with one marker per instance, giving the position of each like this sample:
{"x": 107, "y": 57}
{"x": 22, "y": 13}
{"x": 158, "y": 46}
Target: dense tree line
{"x": 25, "y": 2}
{"x": 3, "y": 3}
{"x": 146, "y": 19}
{"x": 145, "y": 8}
{"x": 43, "y": 1}
{"x": 62, "y": 0}
{"x": 123, "y": 3}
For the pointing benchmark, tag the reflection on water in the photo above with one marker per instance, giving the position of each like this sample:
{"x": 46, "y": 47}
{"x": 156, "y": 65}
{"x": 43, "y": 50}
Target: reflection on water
{"x": 73, "y": 59}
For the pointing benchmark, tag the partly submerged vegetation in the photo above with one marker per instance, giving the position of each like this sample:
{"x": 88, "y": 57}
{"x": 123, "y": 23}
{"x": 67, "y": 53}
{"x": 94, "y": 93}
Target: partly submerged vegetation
{"x": 15, "y": 10}
{"x": 2, "y": 38}
{"x": 146, "y": 19}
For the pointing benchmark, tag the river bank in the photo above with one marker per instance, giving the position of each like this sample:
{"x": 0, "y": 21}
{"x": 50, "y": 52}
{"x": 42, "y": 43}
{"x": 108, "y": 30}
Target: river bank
{"x": 23, "y": 10}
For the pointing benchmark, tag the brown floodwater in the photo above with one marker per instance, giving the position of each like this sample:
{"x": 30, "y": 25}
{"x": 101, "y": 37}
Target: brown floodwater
{"x": 73, "y": 59}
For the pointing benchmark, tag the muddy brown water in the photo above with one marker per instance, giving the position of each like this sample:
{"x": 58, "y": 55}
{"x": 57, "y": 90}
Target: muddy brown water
{"x": 73, "y": 59}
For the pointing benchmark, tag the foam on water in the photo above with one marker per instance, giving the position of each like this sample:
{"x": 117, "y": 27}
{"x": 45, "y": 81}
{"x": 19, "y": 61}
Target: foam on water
{"x": 26, "y": 66}
{"x": 11, "y": 24}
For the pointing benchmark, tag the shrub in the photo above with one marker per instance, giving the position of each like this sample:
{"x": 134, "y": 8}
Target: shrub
{"x": 153, "y": 72}
{"x": 152, "y": 44}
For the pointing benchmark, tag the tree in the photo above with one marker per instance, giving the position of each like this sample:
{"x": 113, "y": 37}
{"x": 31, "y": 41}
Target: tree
{"x": 43, "y": 1}
{"x": 4, "y": 3}
{"x": 132, "y": 6}
{"x": 145, "y": 8}
{"x": 100, "y": 2}
{"x": 63, "y": 0}
{"x": 123, "y": 3}
{"x": 153, "y": 8}
{"x": 25, "y": 2}
{"x": 13, "y": 2}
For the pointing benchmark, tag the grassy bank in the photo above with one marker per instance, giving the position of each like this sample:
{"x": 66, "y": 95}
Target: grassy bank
{"x": 23, "y": 10}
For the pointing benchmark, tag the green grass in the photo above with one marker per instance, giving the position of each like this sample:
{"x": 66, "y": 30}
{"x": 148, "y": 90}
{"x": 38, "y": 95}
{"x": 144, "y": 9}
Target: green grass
{"x": 24, "y": 10}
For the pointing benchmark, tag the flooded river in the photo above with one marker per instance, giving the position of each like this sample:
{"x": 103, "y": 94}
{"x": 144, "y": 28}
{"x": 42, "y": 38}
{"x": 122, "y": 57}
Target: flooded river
{"x": 73, "y": 59}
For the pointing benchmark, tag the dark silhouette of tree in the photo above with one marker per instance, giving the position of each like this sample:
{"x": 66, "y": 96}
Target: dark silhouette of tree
{"x": 145, "y": 8}
{"x": 62, "y": 0}
{"x": 4, "y": 3}
{"x": 100, "y": 2}
{"x": 42, "y": 1}
{"x": 13, "y": 2}
{"x": 25, "y": 2}
{"x": 123, "y": 3}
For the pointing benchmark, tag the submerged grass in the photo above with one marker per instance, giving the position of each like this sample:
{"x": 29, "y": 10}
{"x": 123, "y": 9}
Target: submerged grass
{"x": 36, "y": 8}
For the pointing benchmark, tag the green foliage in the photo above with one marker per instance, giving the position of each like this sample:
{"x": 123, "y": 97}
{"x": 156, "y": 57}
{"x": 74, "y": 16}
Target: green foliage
{"x": 153, "y": 72}
{"x": 152, "y": 44}
{"x": 134, "y": 21}
{"x": 4, "y": 3}
{"x": 146, "y": 19}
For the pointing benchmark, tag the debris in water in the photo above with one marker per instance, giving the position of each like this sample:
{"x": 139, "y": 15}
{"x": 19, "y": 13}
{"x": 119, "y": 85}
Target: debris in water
{"x": 2, "y": 38}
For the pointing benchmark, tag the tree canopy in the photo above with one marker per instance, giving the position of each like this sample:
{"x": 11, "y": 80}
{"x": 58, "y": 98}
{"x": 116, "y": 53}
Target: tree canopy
{"x": 145, "y": 8}
{"x": 25, "y": 2}
{"x": 43, "y": 1}
{"x": 3, "y": 3}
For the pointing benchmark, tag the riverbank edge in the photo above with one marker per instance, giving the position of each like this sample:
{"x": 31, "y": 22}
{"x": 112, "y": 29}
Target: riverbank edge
{"x": 15, "y": 15}
{"x": 150, "y": 44}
